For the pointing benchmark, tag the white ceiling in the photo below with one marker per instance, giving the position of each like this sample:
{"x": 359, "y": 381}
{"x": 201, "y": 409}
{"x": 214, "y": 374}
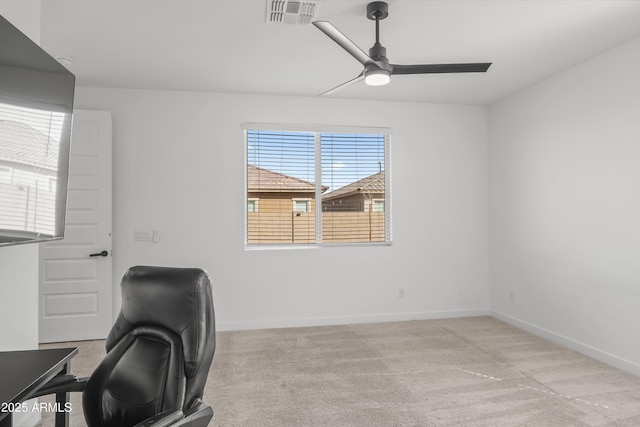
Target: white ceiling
{"x": 226, "y": 46}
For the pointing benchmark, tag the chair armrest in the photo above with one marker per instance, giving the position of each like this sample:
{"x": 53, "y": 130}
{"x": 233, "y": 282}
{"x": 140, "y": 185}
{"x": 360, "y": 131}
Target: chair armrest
{"x": 162, "y": 419}
{"x": 62, "y": 384}
{"x": 198, "y": 415}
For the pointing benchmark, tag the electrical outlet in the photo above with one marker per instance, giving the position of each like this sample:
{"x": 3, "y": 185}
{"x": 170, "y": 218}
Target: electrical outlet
{"x": 400, "y": 292}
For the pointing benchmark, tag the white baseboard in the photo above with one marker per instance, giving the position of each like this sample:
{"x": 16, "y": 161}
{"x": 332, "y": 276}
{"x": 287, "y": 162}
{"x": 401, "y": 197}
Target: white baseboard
{"x": 587, "y": 350}
{"x": 345, "y": 320}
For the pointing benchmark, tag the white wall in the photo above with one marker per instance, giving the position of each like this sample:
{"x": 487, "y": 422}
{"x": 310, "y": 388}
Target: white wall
{"x": 19, "y": 297}
{"x": 565, "y": 207}
{"x": 179, "y": 168}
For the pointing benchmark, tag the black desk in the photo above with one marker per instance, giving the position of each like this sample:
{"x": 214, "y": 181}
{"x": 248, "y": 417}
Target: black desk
{"x": 23, "y": 373}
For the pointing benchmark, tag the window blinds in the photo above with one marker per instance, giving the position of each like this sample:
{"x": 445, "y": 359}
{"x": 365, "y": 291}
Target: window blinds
{"x": 353, "y": 171}
{"x": 316, "y": 187}
{"x": 280, "y": 172}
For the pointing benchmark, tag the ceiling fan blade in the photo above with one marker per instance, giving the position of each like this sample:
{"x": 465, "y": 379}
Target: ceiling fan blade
{"x": 343, "y": 85}
{"x": 344, "y": 42}
{"x": 480, "y": 67}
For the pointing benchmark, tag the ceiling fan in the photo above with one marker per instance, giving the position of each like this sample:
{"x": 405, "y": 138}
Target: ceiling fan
{"x": 377, "y": 69}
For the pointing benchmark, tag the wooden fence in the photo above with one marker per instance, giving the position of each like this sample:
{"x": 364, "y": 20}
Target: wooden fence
{"x": 299, "y": 227}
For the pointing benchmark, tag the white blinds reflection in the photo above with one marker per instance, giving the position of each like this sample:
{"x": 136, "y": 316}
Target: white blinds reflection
{"x": 29, "y": 146}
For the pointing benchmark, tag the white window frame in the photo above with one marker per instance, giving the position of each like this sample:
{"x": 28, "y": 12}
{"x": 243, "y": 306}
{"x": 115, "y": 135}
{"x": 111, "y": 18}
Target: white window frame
{"x": 319, "y": 129}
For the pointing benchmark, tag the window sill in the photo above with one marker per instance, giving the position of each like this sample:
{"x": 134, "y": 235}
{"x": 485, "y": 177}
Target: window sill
{"x": 269, "y": 247}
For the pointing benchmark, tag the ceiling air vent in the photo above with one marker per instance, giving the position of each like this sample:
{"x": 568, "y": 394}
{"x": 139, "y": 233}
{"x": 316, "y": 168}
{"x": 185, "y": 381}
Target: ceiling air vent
{"x": 291, "y": 12}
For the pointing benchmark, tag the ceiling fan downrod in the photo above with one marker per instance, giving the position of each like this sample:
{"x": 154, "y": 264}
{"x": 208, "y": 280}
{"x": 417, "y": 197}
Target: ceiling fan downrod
{"x": 377, "y": 11}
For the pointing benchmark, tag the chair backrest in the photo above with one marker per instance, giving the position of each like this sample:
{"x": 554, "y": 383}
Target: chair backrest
{"x": 159, "y": 350}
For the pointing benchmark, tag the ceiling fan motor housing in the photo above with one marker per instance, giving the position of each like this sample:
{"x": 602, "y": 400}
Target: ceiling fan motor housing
{"x": 378, "y": 53}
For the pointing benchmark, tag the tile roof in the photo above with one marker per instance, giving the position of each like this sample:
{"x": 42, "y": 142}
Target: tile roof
{"x": 371, "y": 184}
{"x": 264, "y": 180}
{"x": 20, "y": 143}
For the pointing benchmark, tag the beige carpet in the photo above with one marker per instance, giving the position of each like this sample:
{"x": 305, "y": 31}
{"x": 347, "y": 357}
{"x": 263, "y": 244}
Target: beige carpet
{"x": 455, "y": 372}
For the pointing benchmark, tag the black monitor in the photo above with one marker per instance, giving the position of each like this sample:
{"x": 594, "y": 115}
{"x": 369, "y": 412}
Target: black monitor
{"x": 36, "y": 109}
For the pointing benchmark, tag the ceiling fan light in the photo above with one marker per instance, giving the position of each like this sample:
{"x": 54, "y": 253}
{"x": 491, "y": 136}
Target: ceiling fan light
{"x": 377, "y": 77}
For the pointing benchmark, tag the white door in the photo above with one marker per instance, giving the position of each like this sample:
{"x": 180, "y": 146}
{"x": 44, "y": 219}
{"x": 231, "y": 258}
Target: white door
{"x": 75, "y": 279}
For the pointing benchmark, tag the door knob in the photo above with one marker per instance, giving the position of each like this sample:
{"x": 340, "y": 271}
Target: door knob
{"x": 103, "y": 253}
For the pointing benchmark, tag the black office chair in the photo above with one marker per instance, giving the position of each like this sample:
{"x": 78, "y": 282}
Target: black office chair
{"x": 159, "y": 352}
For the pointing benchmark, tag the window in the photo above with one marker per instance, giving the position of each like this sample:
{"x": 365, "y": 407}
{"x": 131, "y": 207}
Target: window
{"x": 6, "y": 175}
{"x": 317, "y": 186}
{"x": 301, "y": 205}
{"x": 252, "y": 205}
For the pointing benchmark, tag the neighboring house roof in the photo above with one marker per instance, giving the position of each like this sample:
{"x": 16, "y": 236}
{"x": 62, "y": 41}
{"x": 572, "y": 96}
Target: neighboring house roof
{"x": 21, "y": 144}
{"x": 266, "y": 181}
{"x": 371, "y": 184}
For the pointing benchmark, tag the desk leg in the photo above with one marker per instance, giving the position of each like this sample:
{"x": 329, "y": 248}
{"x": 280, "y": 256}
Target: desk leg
{"x": 62, "y": 416}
